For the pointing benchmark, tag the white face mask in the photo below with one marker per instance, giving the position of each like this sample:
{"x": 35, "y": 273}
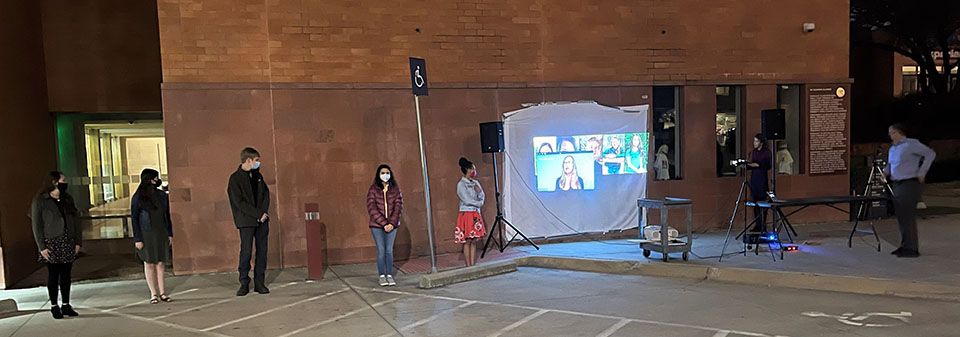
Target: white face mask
{"x": 256, "y": 165}
{"x": 385, "y": 177}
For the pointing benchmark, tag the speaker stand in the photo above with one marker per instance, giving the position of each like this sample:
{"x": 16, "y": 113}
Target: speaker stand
{"x": 497, "y": 228}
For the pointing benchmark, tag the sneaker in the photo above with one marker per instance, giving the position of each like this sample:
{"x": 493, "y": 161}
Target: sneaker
{"x": 67, "y": 310}
{"x": 57, "y": 314}
{"x": 383, "y": 281}
{"x": 390, "y": 281}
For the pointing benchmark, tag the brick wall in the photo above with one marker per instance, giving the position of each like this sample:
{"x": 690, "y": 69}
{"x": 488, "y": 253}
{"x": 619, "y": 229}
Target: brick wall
{"x": 26, "y": 134}
{"x": 501, "y": 40}
{"x": 101, "y": 55}
{"x": 320, "y": 89}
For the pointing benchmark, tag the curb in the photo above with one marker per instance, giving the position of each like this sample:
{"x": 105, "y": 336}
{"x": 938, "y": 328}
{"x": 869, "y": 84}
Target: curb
{"x": 767, "y": 278}
{"x": 449, "y": 277}
{"x": 8, "y": 306}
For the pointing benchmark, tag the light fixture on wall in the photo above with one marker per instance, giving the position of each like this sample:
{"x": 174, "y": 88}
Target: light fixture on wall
{"x": 809, "y": 27}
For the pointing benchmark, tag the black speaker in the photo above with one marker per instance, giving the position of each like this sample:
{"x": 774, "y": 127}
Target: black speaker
{"x": 773, "y": 124}
{"x": 491, "y": 137}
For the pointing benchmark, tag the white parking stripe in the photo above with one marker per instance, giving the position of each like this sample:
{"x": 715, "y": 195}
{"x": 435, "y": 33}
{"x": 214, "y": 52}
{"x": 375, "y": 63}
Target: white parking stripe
{"x": 141, "y": 302}
{"x": 721, "y": 333}
{"x": 166, "y": 324}
{"x": 275, "y": 309}
{"x": 431, "y": 318}
{"x": 231, "y": 299}
{"x": 518, "y": 323}
{"x": 613, "y": 329}
{"x": 351, "y": 313}
{"x": 577, "y": 313}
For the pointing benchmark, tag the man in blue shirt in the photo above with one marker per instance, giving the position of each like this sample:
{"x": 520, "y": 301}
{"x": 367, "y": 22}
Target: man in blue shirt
{"x": 908, "y": 163}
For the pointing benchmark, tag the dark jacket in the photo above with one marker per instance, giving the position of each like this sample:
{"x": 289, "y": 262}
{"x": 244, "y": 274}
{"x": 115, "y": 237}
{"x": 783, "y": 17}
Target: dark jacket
{"x": 384, "y": 207}
{"x": 759, "y": 179}
{"x": 140, "y": 214}
{"x": 48, "y": 222}
{"x": 247, "y": 208}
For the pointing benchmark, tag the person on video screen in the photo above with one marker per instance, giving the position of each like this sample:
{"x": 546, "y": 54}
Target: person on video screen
{"x": 567, "y": 145}
{"x": 613, "y": 157}
{"x": 545, "y": 148}
{"x": 635, "y": 155}
{"x": 569, "y": 179}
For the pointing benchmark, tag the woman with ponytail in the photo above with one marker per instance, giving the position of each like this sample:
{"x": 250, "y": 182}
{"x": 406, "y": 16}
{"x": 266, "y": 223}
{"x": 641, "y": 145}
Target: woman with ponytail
{"x": 470, "y": 228}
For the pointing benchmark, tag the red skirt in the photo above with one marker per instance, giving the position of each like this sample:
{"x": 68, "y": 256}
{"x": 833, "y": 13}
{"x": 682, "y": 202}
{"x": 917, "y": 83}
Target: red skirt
{"x": 469, "y": 227}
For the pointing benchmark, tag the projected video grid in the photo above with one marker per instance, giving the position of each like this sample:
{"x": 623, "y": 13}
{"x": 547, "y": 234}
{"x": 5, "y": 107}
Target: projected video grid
{"x": 571, "y": 163}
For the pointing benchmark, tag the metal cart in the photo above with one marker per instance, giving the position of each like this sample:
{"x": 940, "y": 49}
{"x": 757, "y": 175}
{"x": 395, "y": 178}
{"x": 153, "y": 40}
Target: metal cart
{"x": 681, "y": 244}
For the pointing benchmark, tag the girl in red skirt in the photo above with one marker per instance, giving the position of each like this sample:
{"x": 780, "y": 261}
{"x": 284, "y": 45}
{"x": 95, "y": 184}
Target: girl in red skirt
{"x": 470, "y": 228}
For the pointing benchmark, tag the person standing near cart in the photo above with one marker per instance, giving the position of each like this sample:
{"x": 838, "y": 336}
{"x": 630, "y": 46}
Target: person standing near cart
{"x": 908, "y": 163}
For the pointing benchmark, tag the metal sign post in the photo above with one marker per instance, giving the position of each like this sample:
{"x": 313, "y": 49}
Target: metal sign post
{"x": 418, "y": 81}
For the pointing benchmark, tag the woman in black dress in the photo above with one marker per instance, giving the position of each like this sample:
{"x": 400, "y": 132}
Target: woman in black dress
{"x": 58, "y": 238}
{"x": 152, "y": 232}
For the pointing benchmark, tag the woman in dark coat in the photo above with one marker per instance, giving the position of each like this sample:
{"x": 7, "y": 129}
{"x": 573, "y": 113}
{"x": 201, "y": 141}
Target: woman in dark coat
{"x": 385, "y": 206}
{"x": 58, "y": 238}
{"x": 152, "y": 232}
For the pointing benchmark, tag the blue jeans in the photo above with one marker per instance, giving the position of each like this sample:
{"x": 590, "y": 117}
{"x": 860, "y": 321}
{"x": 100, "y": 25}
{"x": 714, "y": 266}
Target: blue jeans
{"x": 384, "y": 242}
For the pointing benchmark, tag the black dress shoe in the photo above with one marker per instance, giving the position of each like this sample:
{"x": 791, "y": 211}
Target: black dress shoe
{"x": 67, "y": 310}
{"x": 261, "y": 289}
{"x": 57, "y": 314}
{"x": 896, "y": 251}
{"x": 243, "y": 291}
{"x": 908, "y": 253}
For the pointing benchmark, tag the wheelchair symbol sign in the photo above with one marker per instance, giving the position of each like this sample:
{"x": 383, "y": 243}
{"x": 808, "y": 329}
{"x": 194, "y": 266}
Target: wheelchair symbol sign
{"x": 418, "y": 76}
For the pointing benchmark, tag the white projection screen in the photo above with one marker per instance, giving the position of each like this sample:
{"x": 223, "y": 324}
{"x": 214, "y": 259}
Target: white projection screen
{"x": 574, "y": 168}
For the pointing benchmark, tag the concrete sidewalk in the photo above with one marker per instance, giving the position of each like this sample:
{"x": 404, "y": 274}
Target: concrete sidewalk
{"x": 823, "y": 256}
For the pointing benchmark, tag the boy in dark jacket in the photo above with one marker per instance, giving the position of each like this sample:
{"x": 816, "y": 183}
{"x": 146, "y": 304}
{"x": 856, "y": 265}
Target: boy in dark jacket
{"x": 250, "y": 201}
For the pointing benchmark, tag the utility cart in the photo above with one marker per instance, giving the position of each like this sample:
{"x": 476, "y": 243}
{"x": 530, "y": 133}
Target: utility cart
{"x": 666, "y": 245}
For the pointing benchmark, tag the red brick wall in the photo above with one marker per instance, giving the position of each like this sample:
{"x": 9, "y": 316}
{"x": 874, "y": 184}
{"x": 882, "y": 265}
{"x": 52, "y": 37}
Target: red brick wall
{"x": 102, "y": 55}
{"x": 26, "y": 134}
{"x": 501, "y": 41}
{"x": 320, "y": 89}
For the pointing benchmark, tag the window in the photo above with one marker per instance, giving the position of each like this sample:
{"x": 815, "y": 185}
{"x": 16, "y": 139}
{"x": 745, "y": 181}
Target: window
{"x": 911, "y": 83}
{"x": 788, "y": 156}
{"x": 729, "y": 106}
{"x": 666, "y": 133}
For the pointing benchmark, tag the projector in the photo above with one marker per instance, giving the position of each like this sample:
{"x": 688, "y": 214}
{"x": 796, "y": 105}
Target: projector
{"x": 652, "y": 233}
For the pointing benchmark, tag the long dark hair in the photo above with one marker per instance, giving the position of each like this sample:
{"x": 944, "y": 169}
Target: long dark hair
{"x": 376, "y": 176}
{"x": 49, "y": 182}
{"x": 147, "y": 189}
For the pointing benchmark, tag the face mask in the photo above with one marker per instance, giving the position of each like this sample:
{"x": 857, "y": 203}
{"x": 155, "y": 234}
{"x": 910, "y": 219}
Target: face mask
{"x": 62, "y": 187}
{"x": 256, "y": 165}
{"x": 473, "y": 174}
{"x": 385, "y": 177}
{"x": 158, "y": 183}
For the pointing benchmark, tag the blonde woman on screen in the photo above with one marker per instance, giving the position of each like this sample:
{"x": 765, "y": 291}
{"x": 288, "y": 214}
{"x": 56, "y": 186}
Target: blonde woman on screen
{"x": 569, "y": 180}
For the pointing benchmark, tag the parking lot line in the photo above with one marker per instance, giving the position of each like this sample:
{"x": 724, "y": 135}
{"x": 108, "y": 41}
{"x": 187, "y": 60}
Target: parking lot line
{"x": 518, "y": 323}
{"x": 345, "y": 315}
{"x": 275, "y": 309}
{"x": 141, "y": 302}
{"x": 613, "y": 329}
{"x": 226, "y": 300}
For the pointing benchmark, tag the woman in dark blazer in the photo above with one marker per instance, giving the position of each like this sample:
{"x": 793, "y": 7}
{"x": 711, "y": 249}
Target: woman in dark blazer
{"x": 58, "y": 238}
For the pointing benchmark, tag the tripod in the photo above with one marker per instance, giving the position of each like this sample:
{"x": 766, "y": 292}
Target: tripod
{"x": 875, "y": 173}
{"x": 497, "y": 227}
{"x": 744, "y": 186}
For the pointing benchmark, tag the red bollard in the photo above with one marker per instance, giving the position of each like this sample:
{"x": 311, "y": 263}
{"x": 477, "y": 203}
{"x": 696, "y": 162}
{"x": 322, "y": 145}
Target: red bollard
{"x": 316, "y": 241}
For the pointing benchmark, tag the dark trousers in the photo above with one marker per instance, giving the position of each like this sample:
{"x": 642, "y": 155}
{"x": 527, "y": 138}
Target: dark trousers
{"x": 58, "y": 278}
{"x": 248, "y": 237}
{"x": 906, "y": 194}
{"x": 759, "y": 214}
